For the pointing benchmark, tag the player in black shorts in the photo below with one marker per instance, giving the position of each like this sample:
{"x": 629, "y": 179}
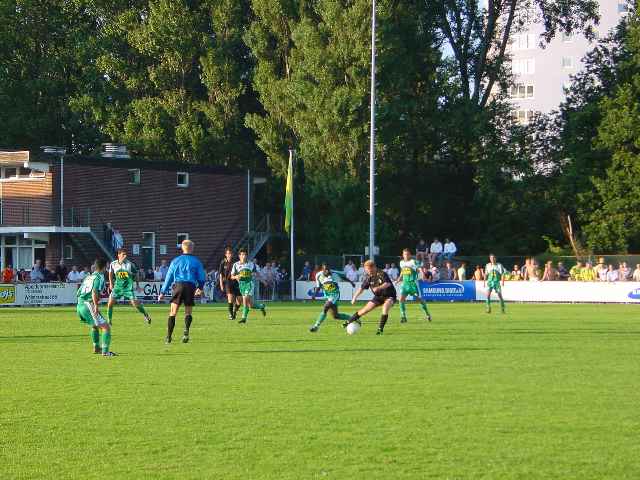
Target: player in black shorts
{"x": 384, "y": 294}
{"x": 228, "y": 286}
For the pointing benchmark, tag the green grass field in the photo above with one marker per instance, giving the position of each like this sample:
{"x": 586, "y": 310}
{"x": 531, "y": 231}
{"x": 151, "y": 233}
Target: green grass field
{"x": 542, "y": 392}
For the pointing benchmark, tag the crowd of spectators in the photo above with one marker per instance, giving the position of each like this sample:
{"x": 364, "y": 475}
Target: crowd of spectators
{"x": 436, "y": 252}
{"x": 271, "y": 280}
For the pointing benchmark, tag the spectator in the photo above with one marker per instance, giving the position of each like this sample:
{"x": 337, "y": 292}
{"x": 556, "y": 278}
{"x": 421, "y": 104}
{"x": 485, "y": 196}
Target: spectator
{"x": 601, "y": 269}
{"x": 435, "y": 273}
{"x": 478, "y": 274}
{"x": 164, "y": 268}
{"x": 22, "y": 276}
{"x": 516, "y": 274}
{"x": 306, "y": 272}
{"x": 61, "y": 272}
{"x": 421, "y": 250}
{"x": 316, "y": 269}
{"x": 83, "y": 273}
{"x": 450, "y": 249}
{"x": 462, "y": 272}
{"x": 394, "y": 273}
{"x": 588, "y": 273}
{"x": 387, "y": 267}
{"x": 425, "y": 273}
{"x": 563, "y": 274}
{"x": 49, "y": 274}
{"x": 37, "y": 272}
{"x": 435, "y": 251}
{"x": 550, "y": 273}
{"x": 149, "y": 275}
{"x": 612, "y": 274}
{"x": 74, "y": 275}
{"x": 8, "y": 274}
{"x": 576, "y": 272}
{"x": 351, "y": 272}
{"x": 361, "y": 273}
{"x": 636, "y": 273}
{"x": 531, "y": 270}
{"x": 157, "y": 274}
{"x": 448, "y": 273}
{"x": 624, "y": 272}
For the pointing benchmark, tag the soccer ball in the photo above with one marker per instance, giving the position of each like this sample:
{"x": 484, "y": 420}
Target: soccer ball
{"x": 353, "y": 328}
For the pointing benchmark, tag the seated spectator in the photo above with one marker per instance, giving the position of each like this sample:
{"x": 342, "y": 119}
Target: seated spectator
{"x": 435, "y": 273}
{"x": 37, "y": 273}
{"x": 636, "y": 273}
{"x": 22, "y": 276}
{"x": 478, "y": 274}
{"x": 149, "y": 275}
{"x": 387, "y": 267}
{"x": 523, "y": 268}
{"x": 550, "y": 273}
{"x": 462, "y": 272}
{"x": 624, "y": 272}
{"x": 450, "y": 249}
{"x": 49, "y": 273}
{"x": 422, "y": 249}
{"x": 8, "y": 274}
{"x": 435, "y": 251}
{"x": 314, "y": 272}
{"x": 588, "y": 273}
{"x": 612, "y": 274}
{"x": 532, "y": 272}
{"x": 306, "y": 272}
{"x": 84, "y": 272}
{"x": 425, "y": 273}
{"x": 448, "y": 273}
{"x": 164, "y": 268}
{"x": 351, "y": 272}
{"x": 394, "y": 273}
{"x": 74, "y": 275}
{"x": 157, "y": 274}
{"x": 576, "y": 272}
{"x": 563, "y": 274}
{"x": 516, "y": 274}
{"x": 61, "y": 272}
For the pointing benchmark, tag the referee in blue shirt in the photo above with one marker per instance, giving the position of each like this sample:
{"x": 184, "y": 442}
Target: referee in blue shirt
{"x": 187, "y": 276}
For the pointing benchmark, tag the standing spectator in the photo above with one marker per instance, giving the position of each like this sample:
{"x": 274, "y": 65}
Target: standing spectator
{"x": 349, "y": 267}
{"x": 531, "y": 270}
{"x": 306, "y": 272}
{"x": 563, "y": 274}
{"x": 387, "y": 267}
{"x": 425, "y": 273}
{"x": 421, "y": 250}
{"x": 448, "y": 273}
{"x": 435, "y": 251}
{"x": 588, "y": 273}
{"x": 61, "y": 272}
{"x": 361, "y": 273}
{"x": 74, "y": 275}
{"x": 314, "y": 272}
{"x": 8, "y": 274}
{"x": 462, "y": 271}
{"x": 117, "y": 241}
{"x": 516, "y": 274}
{"x": 575, "y": 272}
{"x": 164, "y": 268}
{"x": 624, "y": 272}
{"x": 601, "y": 269}
{"x": 108, "y": 235}
{"x": 394, "y": 273}
{"x": 157, "y": 274}
{"x": 478, "y": 274}
{"x": 149, "y": 275}
{"x": 636, "y": 273}
{"x": 37, "y": 272}
{"x": 49, "y": 274}
{"x": 550, "y": 273}
{"x": 435, "y": 273}
{"x": 450, "y": 249}
{"x": 351, "y": 272}
{"x": 22, "y": 276}
{"x": 612, "y": 274}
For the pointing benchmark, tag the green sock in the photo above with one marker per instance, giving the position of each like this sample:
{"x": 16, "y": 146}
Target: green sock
{"x": 95, "y": 337}
{"x": 320, "y": 319}
{"x": 106, "y": 340}
{"x": 403, "y": 309}
{"x": 245, "y": 312}
{"x": 343, "y": 316}
{"x": 501, "y": 302}
{"x": 141, "y": 309}
{"x": 488, "y": 302}
{"x": 110, "y": 313}
{"x": 258, "y": 306}
{"x": 423, "y": 305}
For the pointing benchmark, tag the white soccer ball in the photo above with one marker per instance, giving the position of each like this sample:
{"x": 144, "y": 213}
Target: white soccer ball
{"x": 353, "y": 328}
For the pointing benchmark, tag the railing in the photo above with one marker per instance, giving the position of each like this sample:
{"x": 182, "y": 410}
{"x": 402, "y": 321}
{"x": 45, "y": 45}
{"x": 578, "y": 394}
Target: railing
{"x": 253, "y": 241}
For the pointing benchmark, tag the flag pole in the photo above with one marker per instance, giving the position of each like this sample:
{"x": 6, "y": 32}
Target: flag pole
{"x": 292, "y": 233}
{"x": 372, "y": 146}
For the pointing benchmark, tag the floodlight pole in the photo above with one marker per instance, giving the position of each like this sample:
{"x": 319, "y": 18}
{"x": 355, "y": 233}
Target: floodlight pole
{"x": 292, "y": 270}
{"x": 372, "y": 151}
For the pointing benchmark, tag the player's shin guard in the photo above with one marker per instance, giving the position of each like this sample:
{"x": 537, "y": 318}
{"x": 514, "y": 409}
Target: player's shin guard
{"x": 171, "y": 323}
{"x": 106, "y": 340}
{"x": 403, "y": 309}
{"x": 95, "y": 337}
{"x": 187, "y": 323}
{"x": 383, "y": 322}
{"x": 245, "y": 313}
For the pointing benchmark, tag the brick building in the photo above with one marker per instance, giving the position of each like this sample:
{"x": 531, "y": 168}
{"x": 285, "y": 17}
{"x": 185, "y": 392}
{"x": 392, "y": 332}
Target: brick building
{"x": 55, "y": 206}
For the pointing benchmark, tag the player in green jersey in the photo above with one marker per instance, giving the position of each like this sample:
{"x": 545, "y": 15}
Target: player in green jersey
{"x": 494, "y": 274}
{"x": 327, "y": 281}
{"x": 243, "y": 272}
{"x": 122, "y": 274}
{"x": 88, "y": 309}
{"x": 409, "y": 279}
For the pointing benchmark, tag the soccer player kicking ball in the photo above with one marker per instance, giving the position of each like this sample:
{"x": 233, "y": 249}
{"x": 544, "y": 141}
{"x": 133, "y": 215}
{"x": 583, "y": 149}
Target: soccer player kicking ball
{"x": 121, "y": 276}
{"x": 494, "y": 278}
{"x": 88, "y": 309}
{"x": 384, "y": 295}
{"x": 230, "y": 287}
{"x": 186, "y": 275}
{"x": 409, "y": 278}
{"x": 243, "y": 272}
{"x": 325, "y": 281}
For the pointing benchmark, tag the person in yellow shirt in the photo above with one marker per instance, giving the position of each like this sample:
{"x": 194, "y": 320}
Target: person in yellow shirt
{"x": 575, "y": 272}
{"x": 588, "y": 273}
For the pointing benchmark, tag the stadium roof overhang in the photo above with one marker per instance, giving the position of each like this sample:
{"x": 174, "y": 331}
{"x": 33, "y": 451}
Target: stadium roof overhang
{"x": 45, "y": 229}
{"x": 22, "y": 158}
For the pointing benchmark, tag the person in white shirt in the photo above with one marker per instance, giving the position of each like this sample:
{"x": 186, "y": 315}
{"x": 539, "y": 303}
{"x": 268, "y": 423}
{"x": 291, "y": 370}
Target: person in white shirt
{"x": 361, "y": 273}
{"x": 74, "y": 275}
{"x": 82, "y": 274}
{"x": 157, "y": 274}
{"x": 351, "y": 272}
{"x": 37, "y": 273}
{"x": 624, "y": 272}
{"x": 435, "y": 251}
{"x": 636, "y": 273}
{"x": 612, "y": 275}
{"x": 450, "y": 249}
{"x": 435, "y": 273}
{"x": 393, "y": 273}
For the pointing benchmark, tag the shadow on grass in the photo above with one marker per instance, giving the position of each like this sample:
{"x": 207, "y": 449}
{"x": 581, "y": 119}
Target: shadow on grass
{"x": 36, "y": 338}
{"x": 341, "y": 350}
{"x": 565, "y": 332}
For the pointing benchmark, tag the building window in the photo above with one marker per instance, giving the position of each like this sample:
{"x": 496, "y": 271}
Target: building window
{"x": 15, "y": 173}
{"x": 567, "y": 62}
{"x": 68, "y": 252}
{"x": 524, "y": 41}
{"x": 523, "y": 116}
{"x": 181, "y": 237}
{"x": 148, "y": 250}
{"x": 523, "y": 66}
{"x": 623, "y": 7}
{"x": 522, "y": 91}
{"x": 134, "y": 176}
{"x": 183, "y": 179}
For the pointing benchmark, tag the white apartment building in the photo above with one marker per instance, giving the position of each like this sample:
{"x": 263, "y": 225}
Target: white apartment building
{"x": 543, "y": 74}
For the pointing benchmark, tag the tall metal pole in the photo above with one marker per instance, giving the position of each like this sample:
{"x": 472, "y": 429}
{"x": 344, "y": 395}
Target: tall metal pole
{"x": 372, "y": 146}
{"x": 292, "y": 230}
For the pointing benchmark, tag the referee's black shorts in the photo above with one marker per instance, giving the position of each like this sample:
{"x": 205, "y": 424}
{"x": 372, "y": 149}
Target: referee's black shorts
{"x": 184, "y": 294}
{"x": 231, "y": 287}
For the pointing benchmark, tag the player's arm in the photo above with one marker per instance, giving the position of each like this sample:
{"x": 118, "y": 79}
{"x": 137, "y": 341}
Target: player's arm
{"x": 220, "y": 270}
{"x": 356, "y": 295}
{"x": 201, "y": 278}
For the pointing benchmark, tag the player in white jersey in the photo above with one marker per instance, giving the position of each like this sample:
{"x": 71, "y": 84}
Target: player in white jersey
{"x": 494, "y": 274}
{"x": 243, "y": 272}
{"x": 409, "y": 278}
{"x": 327, "y": 281}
